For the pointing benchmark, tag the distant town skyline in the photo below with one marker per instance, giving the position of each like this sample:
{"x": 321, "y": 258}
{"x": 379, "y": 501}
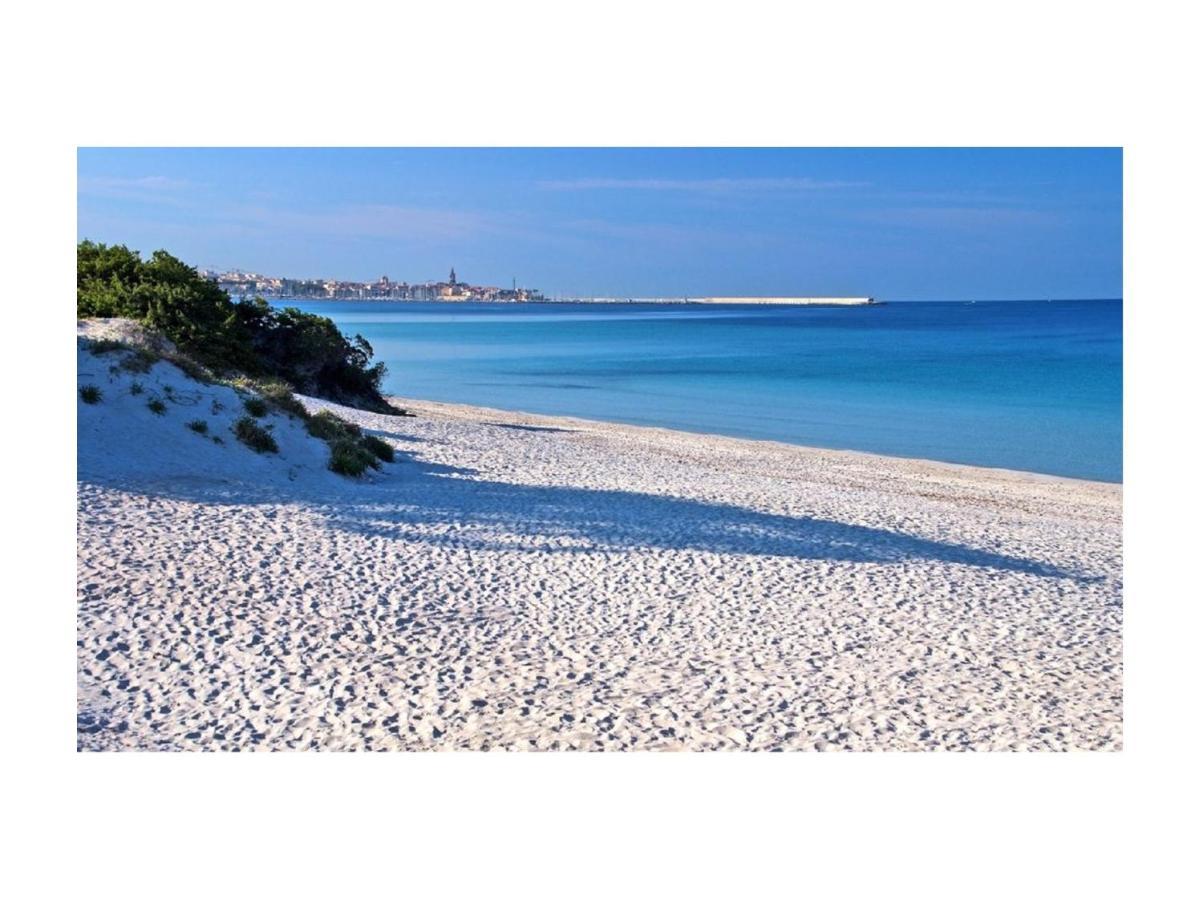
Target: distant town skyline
{"x": 238, "y": 283}
{"x": 898, "y": 224}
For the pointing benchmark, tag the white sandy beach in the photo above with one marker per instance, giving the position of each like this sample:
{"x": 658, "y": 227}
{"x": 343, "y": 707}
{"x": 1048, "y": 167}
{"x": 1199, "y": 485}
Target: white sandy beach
{"x": 526, "y": 582}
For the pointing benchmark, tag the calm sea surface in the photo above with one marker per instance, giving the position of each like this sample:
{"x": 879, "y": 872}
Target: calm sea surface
{"x": 1034, "y": 386}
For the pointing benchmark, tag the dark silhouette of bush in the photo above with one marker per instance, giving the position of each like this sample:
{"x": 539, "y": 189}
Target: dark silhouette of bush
{"x": 256, "y": 406}
{"x": 90, "y": 394}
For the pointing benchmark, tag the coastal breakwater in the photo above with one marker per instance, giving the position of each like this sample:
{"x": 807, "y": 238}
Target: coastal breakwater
{"x": 739, "y": 301}
{"x": 790, "y": 301}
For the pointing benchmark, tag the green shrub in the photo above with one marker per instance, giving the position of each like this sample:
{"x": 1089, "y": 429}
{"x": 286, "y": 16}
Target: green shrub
{"x": 349, "y": 457}
{"x": 305, "y": 350}
{"x": 329, "y": 427}
{"x": 200, "y": 426}
{"x": 379, "y": 448}
{"x": 256, "y": 406}
{"x": 255, "y": 436}
{"x": 90, "y": 394}
{"x": 156, "y": 406}
{"x": 135, "y": 388}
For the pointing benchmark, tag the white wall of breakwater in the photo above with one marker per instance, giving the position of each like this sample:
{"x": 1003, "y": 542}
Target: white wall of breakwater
{"x": 790, "y": 301}
{"x": 746, "y": 301}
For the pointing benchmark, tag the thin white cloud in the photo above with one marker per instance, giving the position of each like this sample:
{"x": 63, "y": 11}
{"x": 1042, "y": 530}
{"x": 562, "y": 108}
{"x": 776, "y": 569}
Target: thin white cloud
{"x": 145, "y": 188}
{"x": 698, "y": 185}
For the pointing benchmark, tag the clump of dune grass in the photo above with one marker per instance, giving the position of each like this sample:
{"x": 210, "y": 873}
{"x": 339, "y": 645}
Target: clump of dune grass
{"x": 329, "y": 427}
{"x": 256, "y": 406}
{"x": 156, "y": 406}
{"x": 381, "y": 449}
{"x": 101, "y": 346}
{"x": 280, "y": 395}
{"x": 351, "y": 451}
{"x": 135, "y": 388}
{"x": 90, "y": 394}
{"x": 192, "y": 368}
{"x": 255, "y": 436}
{"x": 200, "y": 426}
{"x": 349, "y": 457}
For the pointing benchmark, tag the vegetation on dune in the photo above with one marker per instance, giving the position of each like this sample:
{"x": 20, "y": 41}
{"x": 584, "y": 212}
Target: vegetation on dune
{"x": 255, "y": 436}
{"x": 307, "y": 352}
{"x": 280, "y": 395}
{"x": 349, "y": 457}
{"x": 90, "y": 394}
{"x": 137, "y": 360}
{"x": 104, "y": 346}
{"x": 263, "y": 353}
{"x": 380, "y": 448}
{"x": 351, "y": 451}
{"x": 255, "y": 406}
{"x": 329, "y": 427}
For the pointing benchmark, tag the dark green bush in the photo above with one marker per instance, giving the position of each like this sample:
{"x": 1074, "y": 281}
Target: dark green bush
{"x": 256, "y": 406}
{"x": 255, "y": 436}
{"x": 379, "y": 448}
{"x": 135, "y": 388}
{"x": 349, "y": 457}
{"x": 200, "y": 426}
{"x": 307, "y": 351}
{"x": 156, "y": 406}
{"x": 90, "y": 394}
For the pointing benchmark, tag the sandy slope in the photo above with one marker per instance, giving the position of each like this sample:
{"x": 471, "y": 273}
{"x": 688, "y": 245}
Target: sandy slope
{"x": 524, "y": 582}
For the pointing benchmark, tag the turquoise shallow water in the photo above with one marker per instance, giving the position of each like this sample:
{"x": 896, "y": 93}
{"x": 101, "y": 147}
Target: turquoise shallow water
{"x": 1022, "y": 385}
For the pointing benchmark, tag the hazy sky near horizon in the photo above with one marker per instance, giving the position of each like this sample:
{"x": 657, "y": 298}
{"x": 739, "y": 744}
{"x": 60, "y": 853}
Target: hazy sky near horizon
{"x": 898, "y": 224}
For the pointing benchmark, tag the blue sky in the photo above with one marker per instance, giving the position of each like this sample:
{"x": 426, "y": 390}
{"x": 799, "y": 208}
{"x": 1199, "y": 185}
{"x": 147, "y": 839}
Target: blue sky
{"x": 898, "y": 224}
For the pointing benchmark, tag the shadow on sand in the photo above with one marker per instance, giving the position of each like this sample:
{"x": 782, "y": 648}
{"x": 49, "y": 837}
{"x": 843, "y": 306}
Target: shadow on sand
{"x": 417, "y": 501}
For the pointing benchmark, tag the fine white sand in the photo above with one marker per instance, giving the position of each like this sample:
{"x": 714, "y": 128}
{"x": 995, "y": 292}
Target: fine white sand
{"x": 526, "y": 582}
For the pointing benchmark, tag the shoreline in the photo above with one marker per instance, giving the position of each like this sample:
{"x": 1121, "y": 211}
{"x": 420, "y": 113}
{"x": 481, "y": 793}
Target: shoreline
{"x": 471, "y": 411}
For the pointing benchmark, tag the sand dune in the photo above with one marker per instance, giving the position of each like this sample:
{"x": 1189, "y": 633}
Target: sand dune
{"x": 523, "y": 582}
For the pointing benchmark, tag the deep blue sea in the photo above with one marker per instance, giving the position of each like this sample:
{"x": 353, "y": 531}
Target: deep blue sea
{"x": 1021, "y": 385}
